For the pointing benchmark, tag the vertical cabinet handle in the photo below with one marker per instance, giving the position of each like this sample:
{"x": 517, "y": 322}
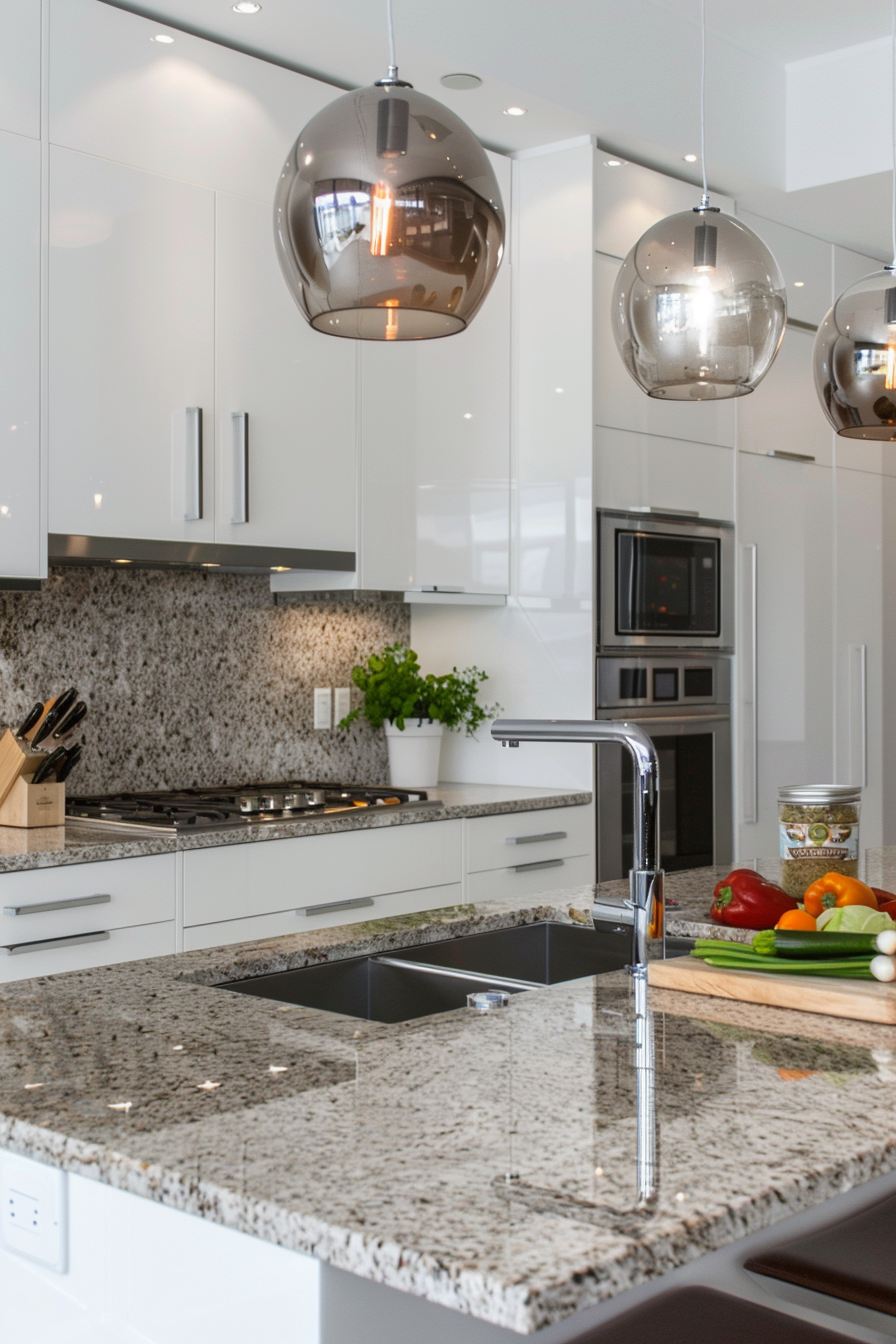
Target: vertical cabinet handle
{"x": 858, "y": 713}
{"x": 239, "y": 424}
{"x": 186, "y": 444}
{"x": 749, "y": 683}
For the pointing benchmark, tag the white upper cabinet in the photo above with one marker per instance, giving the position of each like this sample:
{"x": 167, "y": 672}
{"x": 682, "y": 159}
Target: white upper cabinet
{"x": 805, "y": 263}
{"x": 619, "y": 402}
{"x": 21, "y": 542}
{"x": 191, "y": 109}
{"x": 131, "y": 352}
{"x": 286, "y": 475}
{"x": 629, "y": 199}
{"x": 20, "y": 67}
{"x": 435, "y": 453}
{"x": 783, "y": 414}
{"x": 643, "y": 471}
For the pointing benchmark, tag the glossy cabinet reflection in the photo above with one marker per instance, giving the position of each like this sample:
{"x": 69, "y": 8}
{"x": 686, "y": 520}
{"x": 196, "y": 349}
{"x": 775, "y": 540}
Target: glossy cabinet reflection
{"x": 20, "y": 68}
{"x": 783, "y": 413}
{"x": 435, "y": 453}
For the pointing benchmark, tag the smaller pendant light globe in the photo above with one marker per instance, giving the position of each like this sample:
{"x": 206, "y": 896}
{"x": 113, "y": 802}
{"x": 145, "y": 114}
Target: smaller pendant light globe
{"x": 699, "y": 308}
{"x": 855, "y": 360}
{"x": 388, "y": 219}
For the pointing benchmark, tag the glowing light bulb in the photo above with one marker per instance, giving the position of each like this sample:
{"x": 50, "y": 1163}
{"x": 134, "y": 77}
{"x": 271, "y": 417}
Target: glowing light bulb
{"x": 391, "y": 320}
{"x": 381, "y": 214}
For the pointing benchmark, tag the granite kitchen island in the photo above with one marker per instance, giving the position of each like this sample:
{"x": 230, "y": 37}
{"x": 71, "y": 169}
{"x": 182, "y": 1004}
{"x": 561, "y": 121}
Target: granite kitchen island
{"x": 485, "y": 1164}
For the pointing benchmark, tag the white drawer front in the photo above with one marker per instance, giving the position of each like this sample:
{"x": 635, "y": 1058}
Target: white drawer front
{"x": 237, "y": 881}
{"x": 287, "y": 921}
{"x": 50, "y": 902}
{"x": 502, "y": 882}
{"x": 528, "y": 837}
{"x": 147, "y": 940}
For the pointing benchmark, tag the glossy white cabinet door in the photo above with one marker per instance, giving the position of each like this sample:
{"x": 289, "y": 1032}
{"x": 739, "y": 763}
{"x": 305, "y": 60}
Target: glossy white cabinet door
{"x": 784, "y": 414}
{"x": 435, "y": 453}
{"x": 785, "y": 511}
{"x": 859, "y": 644}
{"x": 643, "y": 470}
{"x": 619, "y": 402}
{"x": 20, "y": 67}
{"x": 298, "y": 389}
{"x": 21, "y": 544}
{"x": 131, "y": 349}
{"x": 805, "y": 263}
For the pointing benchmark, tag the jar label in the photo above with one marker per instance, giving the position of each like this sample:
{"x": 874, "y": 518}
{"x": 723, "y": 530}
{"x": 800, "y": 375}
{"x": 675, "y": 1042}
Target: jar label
{"x": 817, "y": 840}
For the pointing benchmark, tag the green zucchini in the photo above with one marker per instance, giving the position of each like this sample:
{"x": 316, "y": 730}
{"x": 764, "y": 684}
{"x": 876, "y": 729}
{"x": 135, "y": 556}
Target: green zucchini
{"x": 808, "y": 943}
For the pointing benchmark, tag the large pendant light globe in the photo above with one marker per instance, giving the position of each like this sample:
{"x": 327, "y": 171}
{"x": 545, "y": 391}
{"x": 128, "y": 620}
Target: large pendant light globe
{"x": 388, "y": 218}
{"x": 699, "y": 308}
{"x": 855, "y": 359}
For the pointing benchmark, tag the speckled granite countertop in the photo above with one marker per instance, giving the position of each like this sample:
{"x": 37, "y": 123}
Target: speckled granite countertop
{"x": 386, "y": 1150}
{"x": 54, "y": 846}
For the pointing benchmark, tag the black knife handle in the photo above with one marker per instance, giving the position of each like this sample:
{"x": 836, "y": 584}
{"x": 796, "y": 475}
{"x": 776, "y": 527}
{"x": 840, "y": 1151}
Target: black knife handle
{"x": 72, "y": 757}
{"x": 49, "y": 766}
{"x": 71, "y": 721}
{"x": 31, "y": 718}
{"x": 55, "y": 716}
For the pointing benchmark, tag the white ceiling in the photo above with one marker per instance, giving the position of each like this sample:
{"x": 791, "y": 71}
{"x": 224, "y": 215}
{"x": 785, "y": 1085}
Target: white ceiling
{"x": 627, "y": 73}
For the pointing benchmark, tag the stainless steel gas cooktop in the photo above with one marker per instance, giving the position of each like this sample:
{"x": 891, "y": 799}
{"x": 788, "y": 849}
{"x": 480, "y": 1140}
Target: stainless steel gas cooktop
{"x": 187, "y": 810}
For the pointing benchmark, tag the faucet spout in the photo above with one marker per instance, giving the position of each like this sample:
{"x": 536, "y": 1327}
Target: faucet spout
{"x": 646, "y": 876}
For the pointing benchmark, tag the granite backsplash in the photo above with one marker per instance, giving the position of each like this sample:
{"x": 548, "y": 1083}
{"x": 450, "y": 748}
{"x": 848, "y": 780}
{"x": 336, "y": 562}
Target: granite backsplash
{"x": 193, "y": 678}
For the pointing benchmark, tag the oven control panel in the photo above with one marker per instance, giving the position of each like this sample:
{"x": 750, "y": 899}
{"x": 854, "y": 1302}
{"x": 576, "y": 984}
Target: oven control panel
{"x": 663, "y": 681}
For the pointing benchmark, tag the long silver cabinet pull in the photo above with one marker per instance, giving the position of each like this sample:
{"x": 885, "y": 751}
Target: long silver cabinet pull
{"x": 673, "y": 720}
{"x": 186, "y": 445}
{"x": 46, "y": 944}
{"x": 750, "y": 678}
{"x": 69, "y": 903}
{"x": 532, "y": 867}
{"x": 335, "y": 905}
{"x": 534, "y": 839}
{"x": 858, "y": 713}
{"x": 239, "y": 423}
{"x": 790, "y": 457}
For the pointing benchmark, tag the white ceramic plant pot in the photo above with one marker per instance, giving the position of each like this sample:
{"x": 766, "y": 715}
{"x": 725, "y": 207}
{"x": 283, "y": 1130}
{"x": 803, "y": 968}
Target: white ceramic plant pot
{"x": 414, "y": 753}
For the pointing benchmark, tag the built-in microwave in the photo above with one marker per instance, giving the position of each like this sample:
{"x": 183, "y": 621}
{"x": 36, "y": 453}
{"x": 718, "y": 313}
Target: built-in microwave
{"x": 664, "y": 581}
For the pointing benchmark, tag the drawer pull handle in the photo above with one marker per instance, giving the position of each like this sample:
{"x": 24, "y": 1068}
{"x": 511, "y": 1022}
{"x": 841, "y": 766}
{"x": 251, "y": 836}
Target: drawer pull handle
{"x": 45, "y": 944}
{"x": 335, "y": 905}
{"x": 68, "y": 903}
{"x": 533, "y": 867}
{"x": 534, "y": 839}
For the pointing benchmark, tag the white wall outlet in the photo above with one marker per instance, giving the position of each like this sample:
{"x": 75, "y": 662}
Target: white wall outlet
{"x": 343, "y": 703}
{"x": 33, "y": 1211}
{"x": 323, "y": 707}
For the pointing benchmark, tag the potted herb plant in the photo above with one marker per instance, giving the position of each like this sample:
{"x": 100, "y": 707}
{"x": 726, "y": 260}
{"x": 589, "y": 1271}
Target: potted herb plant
{"x": 415, "y": 711}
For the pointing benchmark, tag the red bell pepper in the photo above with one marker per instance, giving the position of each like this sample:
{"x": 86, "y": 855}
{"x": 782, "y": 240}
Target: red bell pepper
{"x": 744, "y": 900}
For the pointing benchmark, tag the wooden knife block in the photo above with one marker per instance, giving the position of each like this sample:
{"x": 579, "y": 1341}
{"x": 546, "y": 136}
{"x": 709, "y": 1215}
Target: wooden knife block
{"x": 30, "y": 805}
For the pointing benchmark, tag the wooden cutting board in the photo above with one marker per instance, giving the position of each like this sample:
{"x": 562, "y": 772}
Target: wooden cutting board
{"x": 864, "y": 1000}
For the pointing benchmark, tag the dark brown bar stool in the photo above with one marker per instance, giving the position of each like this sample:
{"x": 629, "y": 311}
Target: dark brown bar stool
{"x": 854, "y": 1260}
{"x": 702, "y": 1315}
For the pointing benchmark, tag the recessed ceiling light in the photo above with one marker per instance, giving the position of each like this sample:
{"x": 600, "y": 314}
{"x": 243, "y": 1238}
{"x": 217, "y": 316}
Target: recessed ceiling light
{"x": 798, "y": 284}
{"x": 515, "y": 111}
{"x": 245, "y": 7}
{"x": 460, "y": 81}
{"x": 162, "y": 37}
{"x": 690, "y": 158}
{"x": 614, "y": 163}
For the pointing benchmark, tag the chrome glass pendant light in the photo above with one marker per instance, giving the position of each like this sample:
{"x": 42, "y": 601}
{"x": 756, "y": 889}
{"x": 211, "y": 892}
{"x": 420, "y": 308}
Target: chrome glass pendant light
{"x": 855, "y": 347}
{"x": 699, "y": 307}
{"x": 388, "y": 218}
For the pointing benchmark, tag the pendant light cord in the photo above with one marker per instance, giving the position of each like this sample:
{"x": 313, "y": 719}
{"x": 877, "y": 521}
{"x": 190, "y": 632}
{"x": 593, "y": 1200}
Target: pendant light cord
{"x": 393, "y": 68}
{"x": 893, "y": 132}
{"x": 705, "y": 202}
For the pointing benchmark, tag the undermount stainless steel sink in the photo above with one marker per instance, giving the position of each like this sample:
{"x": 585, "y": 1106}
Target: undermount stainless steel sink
{"x": 437, "y": 977}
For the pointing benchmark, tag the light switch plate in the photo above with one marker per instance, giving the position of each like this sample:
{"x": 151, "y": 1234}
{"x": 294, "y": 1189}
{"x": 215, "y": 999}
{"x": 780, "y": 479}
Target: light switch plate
{"x": 343, "y": 703}
{"x": 33, "y": 1211}
{"x": 323, "y": 707}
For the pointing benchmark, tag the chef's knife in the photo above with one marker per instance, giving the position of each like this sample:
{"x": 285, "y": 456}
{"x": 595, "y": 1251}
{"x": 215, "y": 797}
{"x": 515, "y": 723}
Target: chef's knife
{"x": 31, "y": 718}
{"x": 49, "y": 766}
{"x": 71, "y": 721}
{"x": 72, "y": 757}
{"x": 60, "y": 708}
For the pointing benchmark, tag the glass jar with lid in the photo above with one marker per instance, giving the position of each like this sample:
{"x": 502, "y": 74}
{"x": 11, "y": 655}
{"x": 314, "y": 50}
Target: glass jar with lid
{"x": 818, "y": 826}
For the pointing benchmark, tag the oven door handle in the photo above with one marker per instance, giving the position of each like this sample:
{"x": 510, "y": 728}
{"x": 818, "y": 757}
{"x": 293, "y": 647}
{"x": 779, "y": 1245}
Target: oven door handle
{"x": 641, "y": 719}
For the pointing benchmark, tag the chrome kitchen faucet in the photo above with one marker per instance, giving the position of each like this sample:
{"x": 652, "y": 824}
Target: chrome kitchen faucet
{"x": 646, "y": 876}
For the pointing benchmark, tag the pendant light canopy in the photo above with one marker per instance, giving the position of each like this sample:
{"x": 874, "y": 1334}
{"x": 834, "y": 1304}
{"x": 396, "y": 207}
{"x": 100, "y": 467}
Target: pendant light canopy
{"x": 699, "y": 307}
{"x": 855, "y": 346}
{"x": 388, "y": 218}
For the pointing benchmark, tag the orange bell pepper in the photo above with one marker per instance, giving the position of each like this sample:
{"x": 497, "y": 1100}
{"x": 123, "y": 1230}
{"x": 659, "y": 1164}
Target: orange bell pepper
{"x": 796, "y": 919}
{"x": 836, "y": 890}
